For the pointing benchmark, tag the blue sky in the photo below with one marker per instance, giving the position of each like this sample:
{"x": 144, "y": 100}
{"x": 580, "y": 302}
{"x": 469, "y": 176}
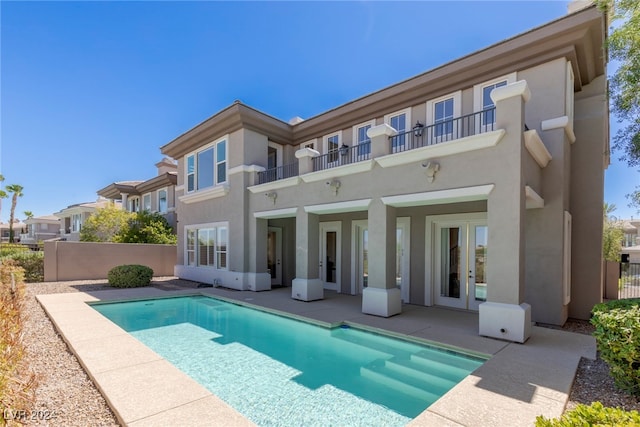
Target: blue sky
{"x": 91, "y": 90}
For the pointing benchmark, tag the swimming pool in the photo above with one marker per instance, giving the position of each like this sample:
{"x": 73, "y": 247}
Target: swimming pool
{"x": 280, "y": 371}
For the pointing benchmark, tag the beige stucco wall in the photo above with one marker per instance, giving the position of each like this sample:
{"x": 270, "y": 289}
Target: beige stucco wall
{"x": 87, "y": 260}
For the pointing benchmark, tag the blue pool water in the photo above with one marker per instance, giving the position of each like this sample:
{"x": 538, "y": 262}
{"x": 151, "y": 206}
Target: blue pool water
{"x": 280, "y": 371}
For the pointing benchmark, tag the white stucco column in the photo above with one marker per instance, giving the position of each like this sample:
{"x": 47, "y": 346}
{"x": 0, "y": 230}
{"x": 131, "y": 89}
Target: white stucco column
{"x": 382, "y": 297}
{"x": 307, "y": 285}
{"x": 305, "y": 158}
{"x": 505, "y": 315}
{"x": 125, "y": 199}
{"x": 258, "y": 278}
{"x": 380, "y": 144}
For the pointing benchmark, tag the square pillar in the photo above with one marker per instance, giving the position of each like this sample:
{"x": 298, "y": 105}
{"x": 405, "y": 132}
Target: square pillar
{"x": 382, "y": 297}
{"x": 380, "y": 144}
{"x": 505, "y": 315}
{"x": 258, "y": 278}
{"x": 305, "y": 158}
{"x": 307, "y": 285}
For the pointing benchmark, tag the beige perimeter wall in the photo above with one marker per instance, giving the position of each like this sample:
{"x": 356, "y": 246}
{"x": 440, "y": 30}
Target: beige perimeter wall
{"x": 86, "y": 260}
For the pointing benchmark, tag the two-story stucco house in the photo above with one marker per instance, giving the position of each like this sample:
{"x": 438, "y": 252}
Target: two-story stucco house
{"x": 154, "y": 195}
{"x": 40, "y": 228}
{"x": 477, "y": 185}
{"x": 73, "y": 217}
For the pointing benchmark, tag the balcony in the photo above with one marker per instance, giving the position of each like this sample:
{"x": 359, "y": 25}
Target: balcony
{"x": 281, "y": 172}
{"x": 344, "y": 155}
{"x": 444, "y": 131}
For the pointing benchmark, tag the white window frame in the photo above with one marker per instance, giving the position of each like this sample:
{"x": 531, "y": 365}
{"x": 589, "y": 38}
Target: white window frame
{"x": 214, "y": 166}
{"x": 279, "y": 152}
{"x": 325, "y": 146}
{"x": 408, "y": 121}
{"x": 216, "y": 226}
{"x": 479, "y": 88}
{"x": 73, "y": 227}
{"x": 457, "y": 112}
{"x": 166, "y": 195}
{"x": 145, "y": 206}
{"x": 356, "y": 142}
{"x": 134, "y": 204}
{"x": 310, "y": 144}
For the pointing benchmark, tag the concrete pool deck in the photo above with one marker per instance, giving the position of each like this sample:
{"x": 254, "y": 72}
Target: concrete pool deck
{"x": 518, "y": 382}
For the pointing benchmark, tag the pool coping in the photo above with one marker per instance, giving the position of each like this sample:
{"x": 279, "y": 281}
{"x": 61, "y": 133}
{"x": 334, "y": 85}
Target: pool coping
{"x": 518, "y": 382}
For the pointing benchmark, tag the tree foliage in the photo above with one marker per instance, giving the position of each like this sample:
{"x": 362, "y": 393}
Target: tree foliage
{"x": 148, "y": 227}
{"x": 623, "y": 45}
{"x": 105, "y": 225}
{"x": 112, "y": 224}
{"x": 16, "y": 191}
{"x": 612, "y": 235}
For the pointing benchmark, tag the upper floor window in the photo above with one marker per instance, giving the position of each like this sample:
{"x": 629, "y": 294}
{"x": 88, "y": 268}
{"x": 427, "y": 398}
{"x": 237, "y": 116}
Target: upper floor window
{"x": 207, "y": 167}
{"x": 162, "y": 201}
{"x": 482, "y": 97}
{"x": 361, "y": 139}
{"x": 76, "y": 222}
{"x": 441, "y": 113}
{"x": 400, "y": 121}
{"x": 331, "y": 145}
{"x": 146, "y": 202}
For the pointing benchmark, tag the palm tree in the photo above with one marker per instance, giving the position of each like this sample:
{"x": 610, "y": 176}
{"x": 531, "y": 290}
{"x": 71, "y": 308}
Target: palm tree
{"x": 3, "y": 194}
{"x": 17, "y": 192}
{"x": 28, "y": 214}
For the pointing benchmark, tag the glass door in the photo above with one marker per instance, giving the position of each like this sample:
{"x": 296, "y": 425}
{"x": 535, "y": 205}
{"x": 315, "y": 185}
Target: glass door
{"x": 274, "y": 255}
{"x": 460, "y": 264}
{"x": 330, "y": 255}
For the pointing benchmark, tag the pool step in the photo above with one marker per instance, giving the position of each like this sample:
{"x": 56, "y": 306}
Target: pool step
{"x": 372, "y": 342}
{"x": 381, "y": 374}
{"x": 415, "y": 370}
{"x": 454, "y": 368}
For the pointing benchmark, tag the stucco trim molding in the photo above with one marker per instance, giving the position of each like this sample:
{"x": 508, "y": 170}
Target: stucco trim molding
{"x": 339, "y": 207}
{"x": 560, "y": 122}
{"x": 454, "y": 195}
{"x": 200, "y": 196}
{"x": 275, "y": 185}
{"x": 276, "y": 213}
{"x": 519, "y": 88}
{"x": 534, "y": 201}
{"x": 381, "y": 130}
{"x": 536, "y": 148}
{"x": 338, "y": 171}
{"x": 245, "y": 168}
{"x": 457, "y": 146}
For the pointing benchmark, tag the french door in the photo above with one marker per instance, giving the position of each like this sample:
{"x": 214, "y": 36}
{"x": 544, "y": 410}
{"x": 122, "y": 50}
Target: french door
{"x": 460, "y": 258}
{"x": 330, "y": 254}
{"x": 274, "y": 255}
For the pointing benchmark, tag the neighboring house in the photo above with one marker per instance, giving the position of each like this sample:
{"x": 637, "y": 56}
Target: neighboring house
{"x": 40, "y": 228}
{"x": 18, "y": 229}
{"x": 73, "y": 217}
{"x": 154, "y": 195}
{"x": 631, "y": 241}
{"x": 477, "y": 185}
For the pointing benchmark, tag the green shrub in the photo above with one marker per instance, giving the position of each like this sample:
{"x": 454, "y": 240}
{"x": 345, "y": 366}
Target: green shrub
{"x": 593, "y": 415}
{"x": 7, "y": 249}
{"x": 130, "y": 276}
{"x": 31, "y": 262}
{"x": 618, "y": 339}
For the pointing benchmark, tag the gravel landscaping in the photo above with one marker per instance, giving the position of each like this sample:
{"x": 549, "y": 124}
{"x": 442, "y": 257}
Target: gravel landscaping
{"x": 67, "y": 395}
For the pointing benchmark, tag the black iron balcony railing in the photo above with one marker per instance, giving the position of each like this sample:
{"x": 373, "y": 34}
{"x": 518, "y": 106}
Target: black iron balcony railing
{"x": 447, "y": 130}
{"x": 281, "y": 172}
{"x": 343, "y": 156}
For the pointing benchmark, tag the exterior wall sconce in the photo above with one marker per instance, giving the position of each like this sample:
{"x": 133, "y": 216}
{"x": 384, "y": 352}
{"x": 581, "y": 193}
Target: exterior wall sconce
{"x": 334, "y": 184}
{"x": 431, "y": 168}
{"x": 344, "y": 149}
{"x": 273, "y": 196}
{"x": 417, "y": 129}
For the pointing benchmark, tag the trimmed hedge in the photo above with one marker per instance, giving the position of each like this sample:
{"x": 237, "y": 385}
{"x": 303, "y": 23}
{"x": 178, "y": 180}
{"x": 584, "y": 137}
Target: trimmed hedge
{"x": 31, "y": 262}
{"x": 593, "y": 415}
{"x": 618, "y": 339}
{"x": 130, "y": 276}
{"x": 7, "y": 249}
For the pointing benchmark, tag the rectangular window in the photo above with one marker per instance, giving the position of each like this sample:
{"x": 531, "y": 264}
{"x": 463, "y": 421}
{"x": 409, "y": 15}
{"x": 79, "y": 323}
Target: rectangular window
{"x": 487, "y": 103}
{"x": 207, "y": 246}
{"x": 207, "y": 167}
{"x": 191, "y": 247}
{"x": 482, "y": 101}
{"x": 443, "y": 117}
{"x": 362, "y": 141}
{"x": 332, "y": 143}
{"x": 162, "y": 201}
{"x": 191, "y": 173}
{"x": 134, "y": 204}
{"x": 400, "y": 121}
{"x": 146, "y": 202}
{"x": 76, "y": 220}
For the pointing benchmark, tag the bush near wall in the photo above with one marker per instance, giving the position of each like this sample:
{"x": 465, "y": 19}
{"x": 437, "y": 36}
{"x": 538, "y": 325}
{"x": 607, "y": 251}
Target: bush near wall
{"x": 593, "y": 415}
{"x": 17, "y": 383}
{"x": 7, "y": 249}
{"x": 130, "y": 276}
{"x": 618, "y": 340}
{"x": 31, "y": 262}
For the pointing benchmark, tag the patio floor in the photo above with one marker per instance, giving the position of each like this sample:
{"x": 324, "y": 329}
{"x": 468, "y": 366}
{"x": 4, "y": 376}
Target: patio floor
{"x": 518, "y": 382}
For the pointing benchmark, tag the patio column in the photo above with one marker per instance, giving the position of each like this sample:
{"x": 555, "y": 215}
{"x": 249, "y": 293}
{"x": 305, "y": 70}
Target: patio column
{"x": 125, "y": 199}
{"x": 380, "y": 145}
{"x": 505, "y": 315}
{"x": 307, "y": 285}
{"x": 258, "y": 278}
{"x": 382, "y": 297}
